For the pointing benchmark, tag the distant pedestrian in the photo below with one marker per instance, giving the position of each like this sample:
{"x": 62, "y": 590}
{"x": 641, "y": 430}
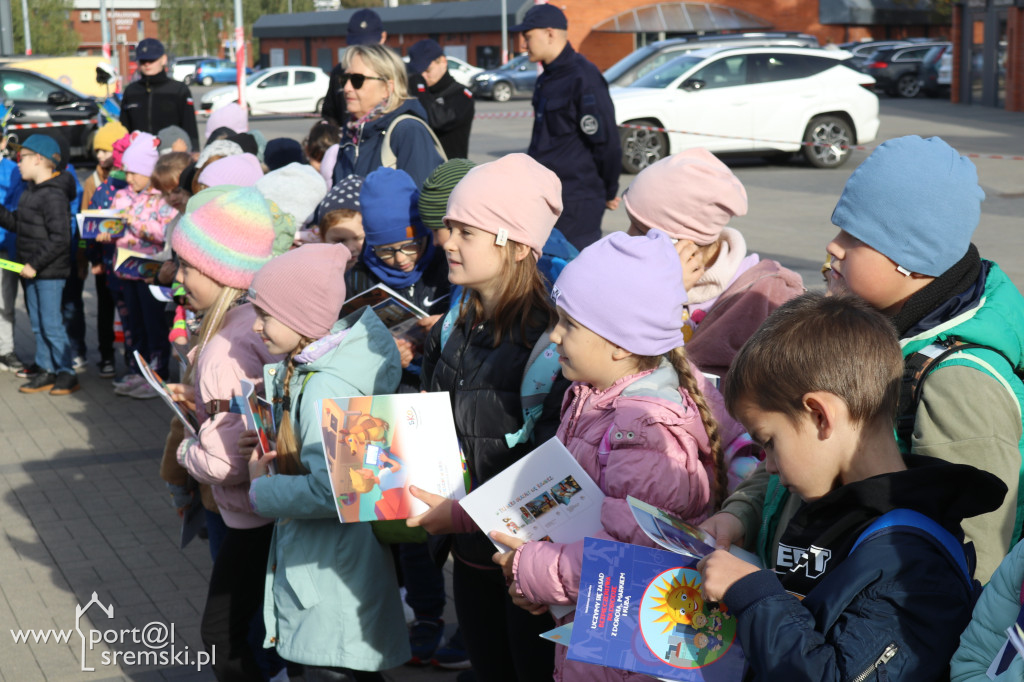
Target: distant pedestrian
{"x": 574, "y": 131}
{"x": 155, "y": 101}
{"x": 449, "y": 104}
{"x": 364, "y": 28}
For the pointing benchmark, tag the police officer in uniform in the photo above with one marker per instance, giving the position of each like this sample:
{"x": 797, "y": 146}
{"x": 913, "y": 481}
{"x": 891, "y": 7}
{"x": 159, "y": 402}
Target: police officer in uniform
{"x": 364, "y": 27}
{"x": 156, "y": 101}
{"x": 449, "y": 104}
{"x": 574, "y": 132}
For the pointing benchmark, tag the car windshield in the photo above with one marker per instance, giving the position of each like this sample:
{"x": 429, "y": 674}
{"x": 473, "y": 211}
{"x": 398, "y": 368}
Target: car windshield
{"x": 628, "y": 62}
{"x": 513, "y": 63}
{"x": 256, "y": 75}
{"x": 661, "y": 78}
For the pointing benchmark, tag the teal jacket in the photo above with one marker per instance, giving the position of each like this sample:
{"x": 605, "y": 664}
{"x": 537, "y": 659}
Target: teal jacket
{"x": 331, "y": 596}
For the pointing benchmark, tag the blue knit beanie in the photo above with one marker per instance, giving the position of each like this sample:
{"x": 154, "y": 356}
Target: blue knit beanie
{"x": 915, "y": 201}
{"x": 390, "y": 213}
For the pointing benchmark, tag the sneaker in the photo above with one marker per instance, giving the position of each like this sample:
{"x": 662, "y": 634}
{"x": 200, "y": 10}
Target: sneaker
{"x": 42, "y": 381}
{"x": 128, "y": 383}
{"x": 66, "y": 384}
{"x": 452, "y": 656}
{"x": 107, "y": 369}
{"x": 79, "y": 363}
{"x": 144, "y": 392}
{"x": 10, "y": 362}
{"x": 424, "y": 638}
{"x": 29, "y": 372}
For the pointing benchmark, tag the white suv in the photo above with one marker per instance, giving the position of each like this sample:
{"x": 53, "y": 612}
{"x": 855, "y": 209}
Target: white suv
{"x": 758, "y": 100}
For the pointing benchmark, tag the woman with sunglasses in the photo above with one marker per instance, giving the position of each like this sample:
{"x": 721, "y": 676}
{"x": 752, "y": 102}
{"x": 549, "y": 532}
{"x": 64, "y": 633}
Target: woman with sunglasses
{"x": 376, "y": 93}
{"x": 398, "y": 251}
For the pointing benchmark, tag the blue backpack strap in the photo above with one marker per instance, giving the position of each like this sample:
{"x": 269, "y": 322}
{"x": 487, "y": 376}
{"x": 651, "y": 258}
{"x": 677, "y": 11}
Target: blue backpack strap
{"x": 908, "y": 518}
{"x": 448, "y": 322}
{"x": 538, "y": 377}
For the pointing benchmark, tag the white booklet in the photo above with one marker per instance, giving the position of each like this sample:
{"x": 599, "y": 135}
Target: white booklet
{"x": 676, "y": 535}
{"x": 545, "y": 496}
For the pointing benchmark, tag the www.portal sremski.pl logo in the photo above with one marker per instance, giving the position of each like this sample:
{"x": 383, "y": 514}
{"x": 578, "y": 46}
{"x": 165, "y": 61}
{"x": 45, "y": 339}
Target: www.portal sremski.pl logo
{"x": 151, "y": 645}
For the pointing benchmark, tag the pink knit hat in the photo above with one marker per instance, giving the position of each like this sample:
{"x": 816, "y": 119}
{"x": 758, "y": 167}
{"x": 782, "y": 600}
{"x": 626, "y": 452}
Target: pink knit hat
{"x": 230, "y": 115}
{"x": 119, "y": 148}
{"x": 142, "y": 154}
{"x": 514, "y": 197}
{"x": 690, "y": 195}
{"x": 227, "y": 233}
{"x": 304, "y": 288}
{"x": 241, "y": 170}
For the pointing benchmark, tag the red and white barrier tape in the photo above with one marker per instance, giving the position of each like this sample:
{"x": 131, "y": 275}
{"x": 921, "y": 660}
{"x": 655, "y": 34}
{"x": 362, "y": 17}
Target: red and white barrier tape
{"x": 52, "y": 124}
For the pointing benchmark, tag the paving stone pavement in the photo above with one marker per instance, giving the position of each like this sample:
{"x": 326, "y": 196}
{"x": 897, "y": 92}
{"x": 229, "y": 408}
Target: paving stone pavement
{"x": 83, "y": 511}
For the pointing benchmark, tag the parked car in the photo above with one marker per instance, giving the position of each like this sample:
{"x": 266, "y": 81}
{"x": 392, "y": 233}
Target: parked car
{"x": 210, "y": 71}
{"x": 862, "y": 51}
{"x": 945, "y": 75}
{"x": 895, "y": 69}
{"x": 277, "y": 90}
{"x": 35, "y": 98}
{"x": 517, "y": 77}
{"x": 930, "y": 76}
{"x": 184, "y": 68}
{"x": 755, "y": 100}
{"x": 650, "y": 57}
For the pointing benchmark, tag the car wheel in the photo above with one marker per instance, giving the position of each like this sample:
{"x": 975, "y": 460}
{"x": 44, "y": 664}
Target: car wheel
{"x": 641, "y": 148}
{"x": 502, "y": 92}
{"x": 827, "y": 141}
{"x": 908, "y": 85}
{"x": 319, "y": 106}
{"x": 207, "y": 80}
{"x": 188, "y": 80}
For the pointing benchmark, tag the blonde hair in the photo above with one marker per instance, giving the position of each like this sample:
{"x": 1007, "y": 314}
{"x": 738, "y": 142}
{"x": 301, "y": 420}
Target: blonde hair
{"x": 714, "y": 458}
{"x": 385, "y": 63}
{"x": 213, "y": 320}
{"x": 288, "y": 462}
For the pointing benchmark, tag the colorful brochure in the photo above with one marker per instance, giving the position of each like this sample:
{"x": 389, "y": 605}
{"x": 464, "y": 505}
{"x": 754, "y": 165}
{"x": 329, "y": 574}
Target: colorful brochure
{"x": 259, "y": 416}
{"x": 136, "y": 265}
{"x": 185, "y": 415}
{"x": 93, "y": 222}
{"x": 676, "y": 535}
{"x": 11, "y": 265}
{"x": 377, "y": 446}
{"x": 641, "y": 609}
{"x": 398, "y": 315}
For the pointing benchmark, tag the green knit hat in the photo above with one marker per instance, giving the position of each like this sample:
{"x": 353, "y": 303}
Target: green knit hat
{"x": 439, "y": 184}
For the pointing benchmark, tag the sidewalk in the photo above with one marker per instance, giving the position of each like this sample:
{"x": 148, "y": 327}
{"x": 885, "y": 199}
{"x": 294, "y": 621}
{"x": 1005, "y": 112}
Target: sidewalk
{"x": 83, "y": 510}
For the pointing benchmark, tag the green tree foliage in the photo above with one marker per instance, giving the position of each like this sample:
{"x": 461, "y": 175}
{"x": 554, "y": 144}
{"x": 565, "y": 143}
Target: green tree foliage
{"x": 49, "y": 27}
{"x": 197, "y": 26}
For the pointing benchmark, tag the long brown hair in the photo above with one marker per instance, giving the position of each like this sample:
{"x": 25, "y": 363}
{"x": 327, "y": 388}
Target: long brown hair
{"x": 288, "y": 462}
{"x": 523, "y": 299}
{"x": 714, "y": 458}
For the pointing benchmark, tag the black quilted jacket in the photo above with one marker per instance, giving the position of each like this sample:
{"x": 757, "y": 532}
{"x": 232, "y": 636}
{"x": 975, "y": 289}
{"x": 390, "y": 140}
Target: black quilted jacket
{"x": 42, "y": 223}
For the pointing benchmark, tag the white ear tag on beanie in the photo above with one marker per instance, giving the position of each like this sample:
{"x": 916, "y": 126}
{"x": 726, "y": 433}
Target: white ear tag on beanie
{"x": 502, "y": 237}
{"x": 903, "y": 271}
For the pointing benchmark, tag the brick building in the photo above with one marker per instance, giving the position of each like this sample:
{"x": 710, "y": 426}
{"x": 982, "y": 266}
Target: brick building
{"x": 130, "y": 22}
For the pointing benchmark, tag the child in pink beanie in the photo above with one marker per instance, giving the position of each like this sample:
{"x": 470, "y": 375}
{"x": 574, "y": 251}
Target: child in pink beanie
{"x": 241, "y": 170}
{"x": 298, "y": 296}
{"x": 146, "y": 215}
{"x": 499, "y": 217}
{"x": 638, "y": 416}
{"x": 691, "y": 196}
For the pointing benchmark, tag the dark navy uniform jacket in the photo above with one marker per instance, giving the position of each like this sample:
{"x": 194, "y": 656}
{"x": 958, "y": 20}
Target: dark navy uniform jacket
{"x": 574, "y": 131}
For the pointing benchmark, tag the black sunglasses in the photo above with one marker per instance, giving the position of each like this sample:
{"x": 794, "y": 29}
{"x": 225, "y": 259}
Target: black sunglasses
{"x": 358, "y": 79}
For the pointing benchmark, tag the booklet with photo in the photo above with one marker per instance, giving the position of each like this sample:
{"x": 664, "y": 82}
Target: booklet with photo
{"x": 676, "y": 535}
{"x": 135, "y": 264}
{"x": 641, "y": 609}
{"x": 187, "y": 416}
{"x": 259, "y": 415}
{"x": 93, "y": 222}
{"x": 398, "y": 314}
{"x": 377, "y": 446}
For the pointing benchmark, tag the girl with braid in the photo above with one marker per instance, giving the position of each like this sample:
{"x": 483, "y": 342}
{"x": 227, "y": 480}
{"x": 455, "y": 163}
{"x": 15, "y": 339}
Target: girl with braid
{"x": 637, "y": 416}
{"x": 331, "y": 599}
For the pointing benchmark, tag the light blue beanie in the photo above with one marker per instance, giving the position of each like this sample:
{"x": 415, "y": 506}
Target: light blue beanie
{"x": 915, "y": 201}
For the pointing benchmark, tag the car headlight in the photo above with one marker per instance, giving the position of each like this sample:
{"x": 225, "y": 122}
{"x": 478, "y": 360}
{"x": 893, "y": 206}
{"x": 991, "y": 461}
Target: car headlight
{"x": 482, "y": 78}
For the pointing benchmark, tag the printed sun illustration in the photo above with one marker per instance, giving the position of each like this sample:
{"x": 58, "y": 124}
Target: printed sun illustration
{"x": 678, "y": 602}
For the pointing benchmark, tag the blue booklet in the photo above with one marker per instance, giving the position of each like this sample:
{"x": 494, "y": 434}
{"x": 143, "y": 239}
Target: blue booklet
{"x": 641, "y": 609}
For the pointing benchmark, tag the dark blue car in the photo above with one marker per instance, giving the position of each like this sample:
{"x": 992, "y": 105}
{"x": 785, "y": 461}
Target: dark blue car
{"x": 517, "y": 77}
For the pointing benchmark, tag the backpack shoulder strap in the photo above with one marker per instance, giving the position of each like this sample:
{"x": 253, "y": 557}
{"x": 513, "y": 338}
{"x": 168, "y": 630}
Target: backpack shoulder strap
{"x": 388, "y": 159}
{"x": 449, "y": 320}
{"x": 538, "y": 378}
{"x": 902, "y": 519}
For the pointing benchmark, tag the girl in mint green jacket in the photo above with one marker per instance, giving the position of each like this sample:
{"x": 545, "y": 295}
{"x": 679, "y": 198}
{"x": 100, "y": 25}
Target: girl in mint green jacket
{"x": 331, "y": 599}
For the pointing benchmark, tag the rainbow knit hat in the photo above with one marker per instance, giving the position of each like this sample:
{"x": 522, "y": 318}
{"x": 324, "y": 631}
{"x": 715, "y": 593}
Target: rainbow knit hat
{"x": 227, "y": 233}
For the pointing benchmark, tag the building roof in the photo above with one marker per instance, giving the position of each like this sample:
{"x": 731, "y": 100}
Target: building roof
{"x": 682, "y": 17}
{"x": 443, "y": 17}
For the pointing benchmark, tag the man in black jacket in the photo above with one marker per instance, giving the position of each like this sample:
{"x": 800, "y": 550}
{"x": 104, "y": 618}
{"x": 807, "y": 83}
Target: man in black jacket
{"x": 449, "y": 104}
{"x": 155, "y": 101}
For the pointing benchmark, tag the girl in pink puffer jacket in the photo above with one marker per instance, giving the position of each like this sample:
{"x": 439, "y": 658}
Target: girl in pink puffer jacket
{"x": 638, "y": 417}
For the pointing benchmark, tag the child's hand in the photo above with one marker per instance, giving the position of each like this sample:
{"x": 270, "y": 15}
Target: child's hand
{"x": 405, "y": 350}
{"x": 103, "y": 238}
{"x": 438, "y": 519}
{"x": 693, "y": 262}
{"x": 259, "y": 465}
{"x": 427, "y": 323}
{"x": 719, "y": 571}
{"x": 97, "y": 269}
{"x": 247, "y": 442}
{"x": 184, "y": 394}
{"x": 506, "y": 559}
{"x": 28, "y": 272}
{"x": 727, "y": 529}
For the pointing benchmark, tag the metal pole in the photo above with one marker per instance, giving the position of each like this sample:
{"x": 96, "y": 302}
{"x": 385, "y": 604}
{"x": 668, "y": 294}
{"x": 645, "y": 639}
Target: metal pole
{"x": 240, "y": 59}
{"x": 106, "y": 29}
{"x": 6, "y": 28}
{"x": 28, "y": 31}
{"x": 504, "y": 31}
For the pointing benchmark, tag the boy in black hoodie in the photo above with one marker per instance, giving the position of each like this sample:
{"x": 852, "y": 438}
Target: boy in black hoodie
{"x": 42, "y": 224}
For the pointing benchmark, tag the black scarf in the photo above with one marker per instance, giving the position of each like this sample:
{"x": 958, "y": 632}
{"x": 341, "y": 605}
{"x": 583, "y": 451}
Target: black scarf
{"x": 952, "y": 282}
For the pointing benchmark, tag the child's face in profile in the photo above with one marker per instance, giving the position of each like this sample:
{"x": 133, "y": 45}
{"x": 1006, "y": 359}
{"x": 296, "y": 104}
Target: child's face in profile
{"x": 859, "y": 269}
{"x": 793, "y": 450}
{"x": 474, "y": 260}
{"x": 136, "y": 181}
{"x": 347, "y": 231}
{"x": 584, "y": 355}
{"x": 105, "y": 158}
{"x": 201, "y": 290}
{"x": 279, "y": 338}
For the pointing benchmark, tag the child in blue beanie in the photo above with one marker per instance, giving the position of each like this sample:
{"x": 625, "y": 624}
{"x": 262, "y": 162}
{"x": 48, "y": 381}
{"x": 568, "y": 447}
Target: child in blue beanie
{"x": 905, "y": 219}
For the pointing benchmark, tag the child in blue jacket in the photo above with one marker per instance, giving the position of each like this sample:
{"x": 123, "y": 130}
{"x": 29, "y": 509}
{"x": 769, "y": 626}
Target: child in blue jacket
{"x": 817, "y": 386}
{"x": 11, "y": 186}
